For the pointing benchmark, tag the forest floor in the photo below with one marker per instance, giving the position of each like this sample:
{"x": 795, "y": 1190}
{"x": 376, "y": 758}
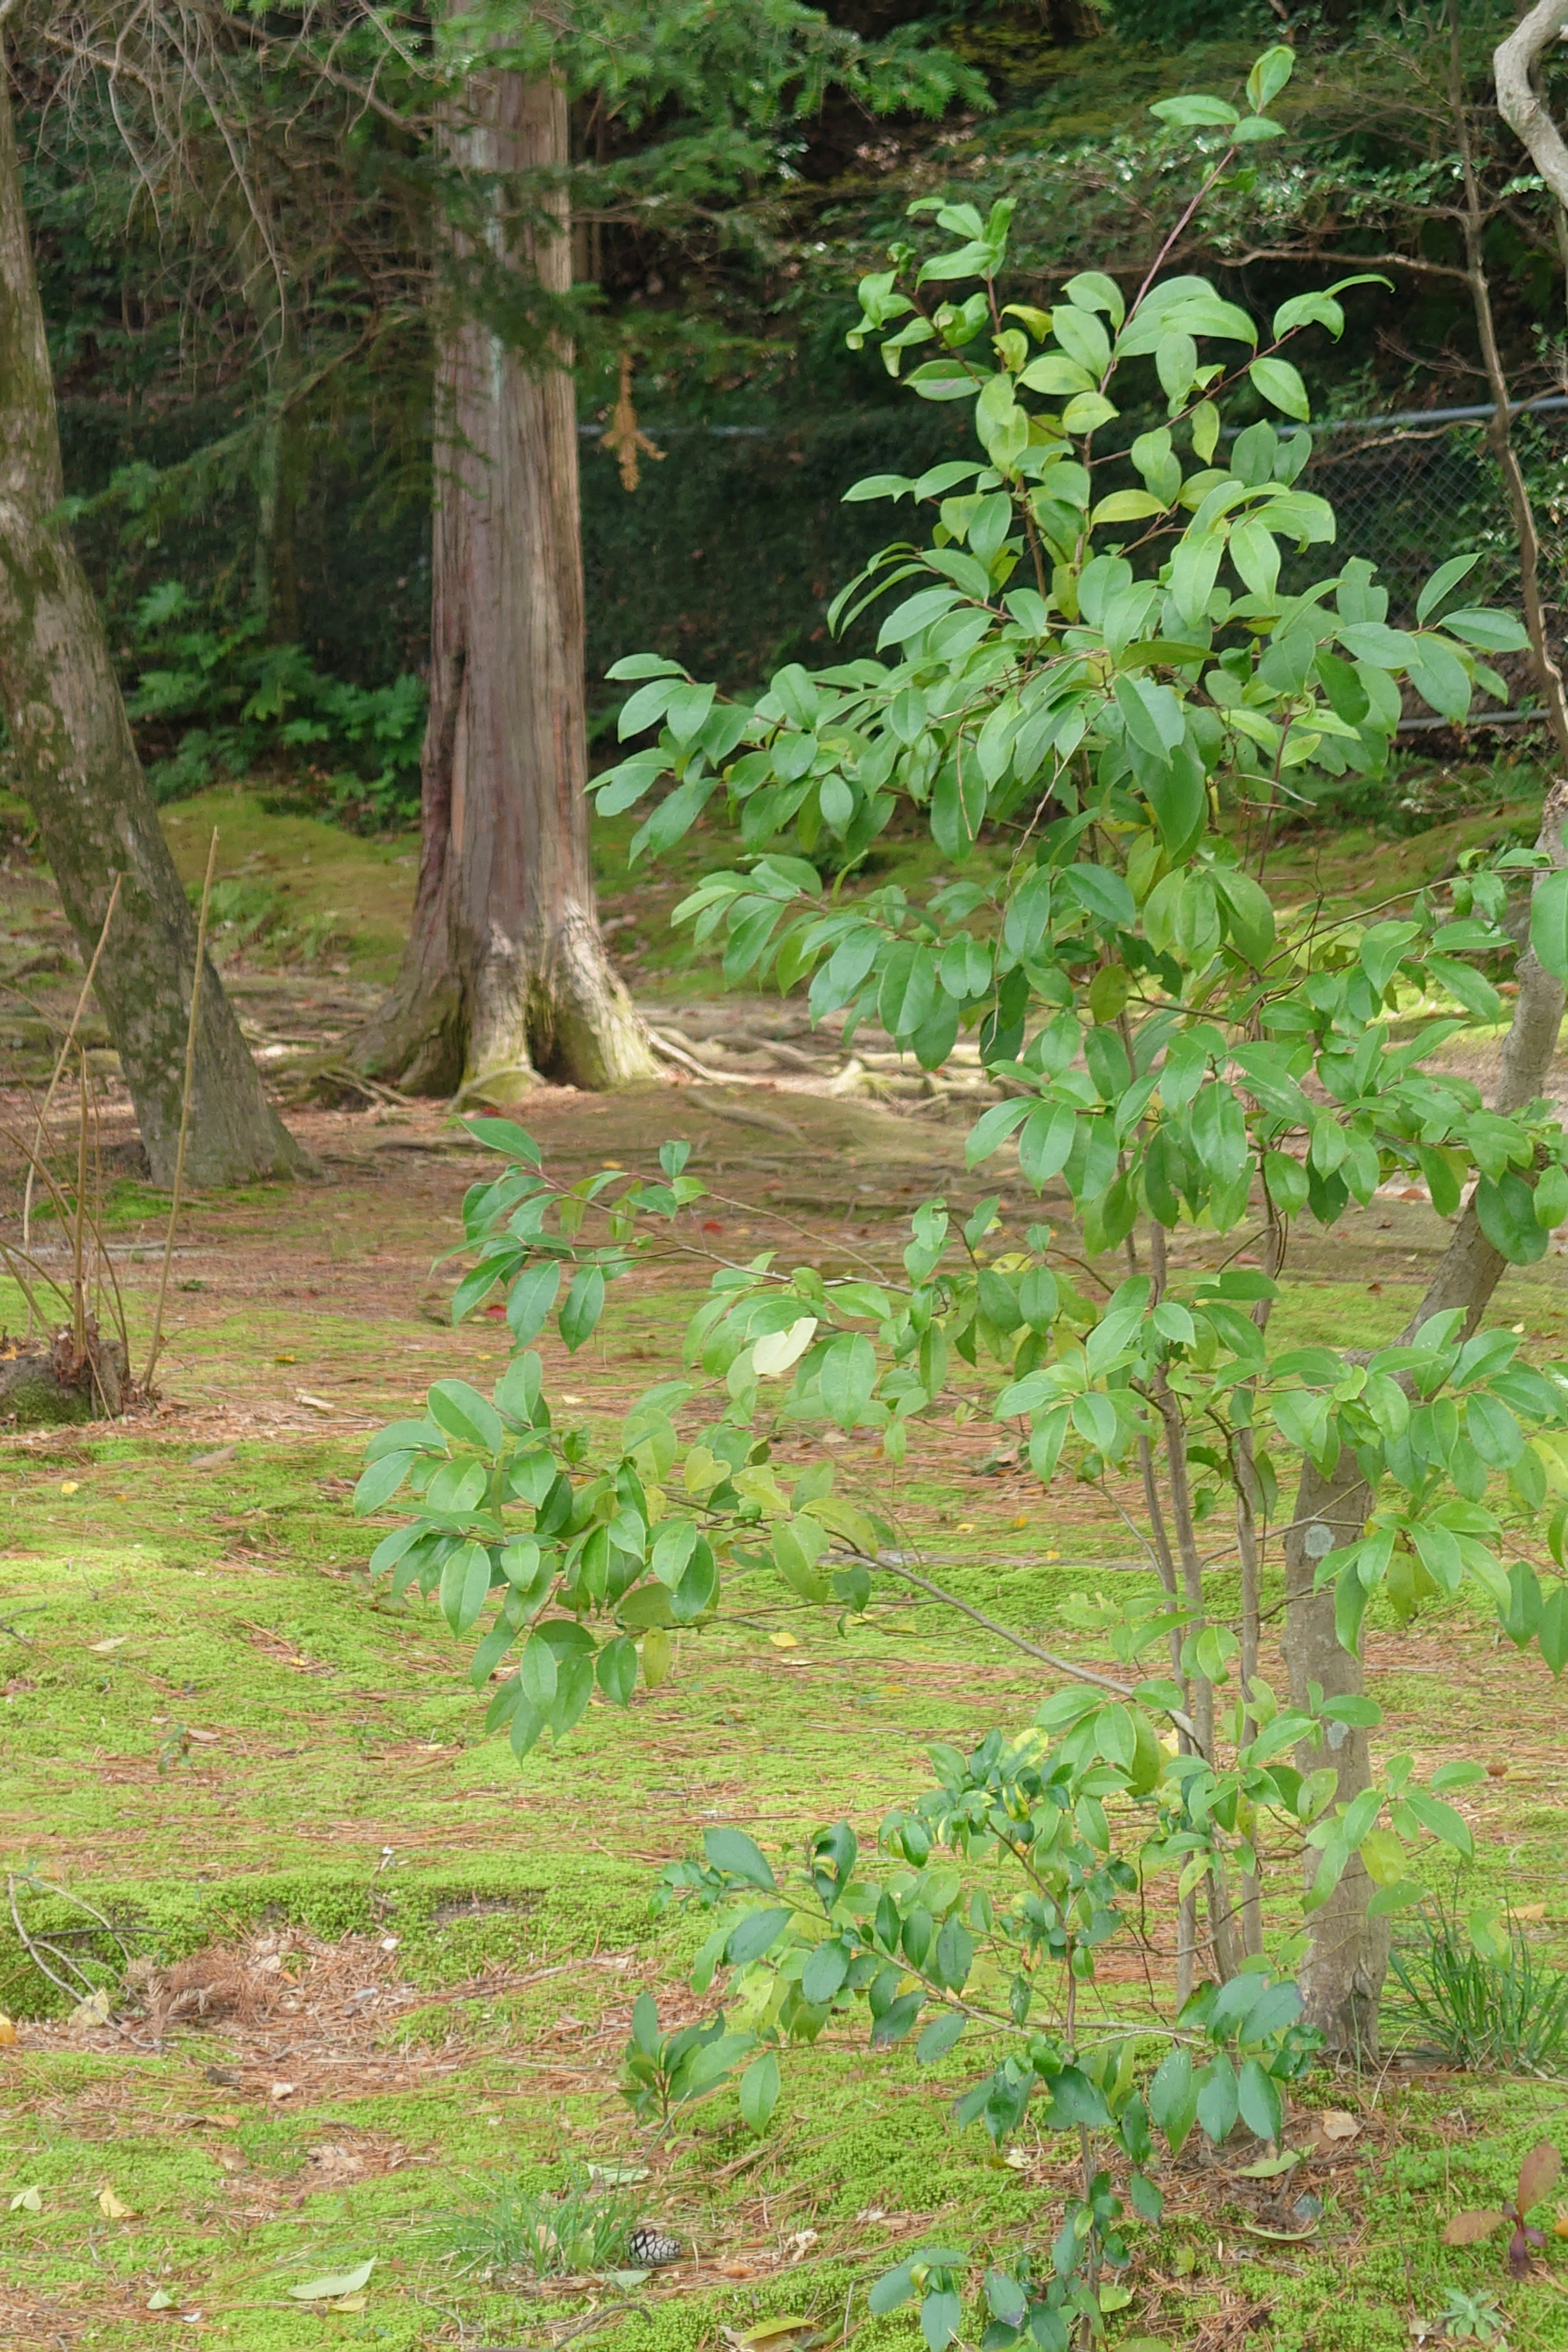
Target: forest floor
{"x": 380, "y": 1973}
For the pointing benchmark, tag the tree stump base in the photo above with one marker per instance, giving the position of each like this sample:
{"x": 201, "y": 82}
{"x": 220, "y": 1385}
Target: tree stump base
{"x": 47, "y": 1388}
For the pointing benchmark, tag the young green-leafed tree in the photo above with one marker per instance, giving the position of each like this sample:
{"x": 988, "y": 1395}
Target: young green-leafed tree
{"x": 1120, "y": 657}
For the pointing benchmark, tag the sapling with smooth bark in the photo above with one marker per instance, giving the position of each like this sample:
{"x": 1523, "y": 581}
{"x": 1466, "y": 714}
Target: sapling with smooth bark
{"x": 1112, "y": 657}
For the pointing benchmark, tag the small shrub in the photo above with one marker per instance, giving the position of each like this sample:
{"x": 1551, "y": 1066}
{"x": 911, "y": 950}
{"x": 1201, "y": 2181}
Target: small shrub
{"x": 1496, "y": 2011}
{"x": 210, "y": 696}
{"x": 1470, "y": 2318}
{"x": 579, "y": 2228}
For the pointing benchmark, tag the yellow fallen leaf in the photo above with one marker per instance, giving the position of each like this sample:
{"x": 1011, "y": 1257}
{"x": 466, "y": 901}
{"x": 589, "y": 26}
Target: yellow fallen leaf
{"x": 8, "y": 2033}
{"x": 1530, "y": 1910}
{"x": 109, "y": 2206}
{"x": 964, "y": 1527}
{"x": 70, "y": 1486}
{"x": 349, "y": 2303}
{"x": 1022, "y": 1521}
{"x": 27, "y": 2201}
{"x": 566, "y": 1398}
{"x": 282, "y": 1359}
{"x": 783, "y": 1640}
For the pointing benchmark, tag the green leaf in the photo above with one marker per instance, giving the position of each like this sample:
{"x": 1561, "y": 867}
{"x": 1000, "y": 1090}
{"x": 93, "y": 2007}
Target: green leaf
{"x": 730, "y": 1849}
{"x": 757, "y": 1933}
{"x": 1440, "y": 678}
{"x": 1218, "y": 2100}
{"x": 1552, "y": 1630}
{"x": 530, "y": 1298}
{"x": 381, "y": 1482}
{"x": 582, "y": 1305}
{"x": 759, "y": 2092}
{"x": 1195, "y": 112}
{"x": 616, "y": 1670}
{"x": 465, "y": 1414}
{"x": 1173, "y": 2098}
{"x": 505, "y": 1135}
{"x": 1505, "y": 1209}
{"x": 1549, "y": 923}
{"x": 1447, "y": 575}
{"x": 847, "y": 1376}
{"x": 992, "y": 1129}
{"x": 1269, "y": 75}
{"x": 1281, "y": 385}
{"x": 908, "y": 988}
{"x": 939, "y": 2038}
{"x": 1046, "y": 1143}
{"x": 1258, "y": 2099}
{"x": 464, "y": 1585}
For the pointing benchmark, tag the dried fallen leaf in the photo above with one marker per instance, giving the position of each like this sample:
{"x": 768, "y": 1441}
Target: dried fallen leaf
{"x": 1271, "y": 2167}
{"x": 772, "y": 2336}
{"x": 94, "y": 2009}
{"x": 285, "y": 2091}
{"x": 107, "y": 1648}
{"x": 316, "y": 1403}
{"x": 110, "y": 2207}
{"x": 337, "y": 2285}
{"x": 1334, "y": 2124}
{"x": 1469, "y": 2229}
{"x": 8, "y": 2033}
{"x": 205, "y": 1739}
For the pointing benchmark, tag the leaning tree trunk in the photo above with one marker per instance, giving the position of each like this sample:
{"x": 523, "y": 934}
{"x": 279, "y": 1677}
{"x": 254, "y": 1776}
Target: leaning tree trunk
{"x": 1342, "y": 1980}
{"x": 77, "y": 771}
{"x": 505, "y": 976}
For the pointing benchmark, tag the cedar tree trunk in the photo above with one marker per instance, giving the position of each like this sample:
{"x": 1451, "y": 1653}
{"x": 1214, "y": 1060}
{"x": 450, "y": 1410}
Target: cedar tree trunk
{"x": 1342, "y": 1979}
{"x": 505, "y": 976}
{"x": 78, "y": 770}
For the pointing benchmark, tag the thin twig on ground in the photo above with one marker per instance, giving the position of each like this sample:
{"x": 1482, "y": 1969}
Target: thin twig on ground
{"x": 157, "y": 1340}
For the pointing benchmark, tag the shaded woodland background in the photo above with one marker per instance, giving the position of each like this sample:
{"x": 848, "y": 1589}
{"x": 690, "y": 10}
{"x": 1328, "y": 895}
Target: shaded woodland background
{"x": 262, "y": 548}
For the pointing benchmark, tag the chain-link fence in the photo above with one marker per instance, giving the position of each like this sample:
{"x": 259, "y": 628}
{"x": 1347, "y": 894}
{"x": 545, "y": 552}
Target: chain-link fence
{"x": 728, "y": 549}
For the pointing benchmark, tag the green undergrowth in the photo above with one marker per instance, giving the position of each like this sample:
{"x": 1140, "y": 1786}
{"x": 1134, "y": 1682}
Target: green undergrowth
{"x": 212, "y": 1724}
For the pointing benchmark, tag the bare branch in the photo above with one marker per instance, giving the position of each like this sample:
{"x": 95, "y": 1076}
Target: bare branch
{"x": 1520, "y": 102}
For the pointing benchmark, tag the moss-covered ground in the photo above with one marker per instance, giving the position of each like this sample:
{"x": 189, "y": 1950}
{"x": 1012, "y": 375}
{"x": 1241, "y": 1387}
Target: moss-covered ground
{"x": 417, "y": 1958}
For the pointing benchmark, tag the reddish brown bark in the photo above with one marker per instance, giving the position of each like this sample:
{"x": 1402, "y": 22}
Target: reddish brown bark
{"x": 506, "y": 977}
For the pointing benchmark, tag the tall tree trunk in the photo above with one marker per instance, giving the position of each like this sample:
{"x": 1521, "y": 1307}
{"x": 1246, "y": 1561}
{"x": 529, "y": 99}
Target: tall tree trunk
{"x": 78, "y": 770}
{"x": 1342, "y": 1979}
{"x": 506, "y": 976}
